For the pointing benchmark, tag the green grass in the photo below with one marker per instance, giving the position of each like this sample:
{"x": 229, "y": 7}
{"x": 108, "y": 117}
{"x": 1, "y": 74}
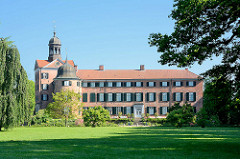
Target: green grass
{"x": 120, "y": 142}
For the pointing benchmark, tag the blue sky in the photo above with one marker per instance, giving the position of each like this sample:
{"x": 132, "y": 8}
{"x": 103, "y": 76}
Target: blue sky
{"x": 113, "y": 33}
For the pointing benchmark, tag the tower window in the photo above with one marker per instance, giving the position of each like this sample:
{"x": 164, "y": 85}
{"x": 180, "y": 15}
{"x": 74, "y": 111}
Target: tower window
{"x": 44, "y": 86}
{"x": 44, "y": 75}
{"x": 66, "y": 83}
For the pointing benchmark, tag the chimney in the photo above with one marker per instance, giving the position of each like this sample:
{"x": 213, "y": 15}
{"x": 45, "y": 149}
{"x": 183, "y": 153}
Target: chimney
{"x": 75, "y": 66}
{"x": 101, "y": 67}
{"x": 141, "y": 67}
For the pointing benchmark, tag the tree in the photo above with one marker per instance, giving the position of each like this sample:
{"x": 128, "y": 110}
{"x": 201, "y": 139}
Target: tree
{"x": 13, "y": 91}
{"x": 203, "y": 29}
{"x": 96, "y": 116}
{"x": 66, "y": 105}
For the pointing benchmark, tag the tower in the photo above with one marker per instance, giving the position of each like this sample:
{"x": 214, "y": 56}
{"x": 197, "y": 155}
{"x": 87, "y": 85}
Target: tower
{"x": 54, "y": 48}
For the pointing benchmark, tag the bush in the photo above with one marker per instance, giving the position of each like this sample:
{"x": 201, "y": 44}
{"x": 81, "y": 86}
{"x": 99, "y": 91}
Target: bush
{"x": 203, "y": 119}
{"x": 96, "y": 116}
{"x": 181, "y": 116}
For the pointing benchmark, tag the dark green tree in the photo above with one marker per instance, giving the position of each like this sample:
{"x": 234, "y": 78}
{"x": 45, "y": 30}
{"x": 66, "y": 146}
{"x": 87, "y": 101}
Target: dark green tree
{"x": 15, "y": 105}
{"x": 204, "y": 29}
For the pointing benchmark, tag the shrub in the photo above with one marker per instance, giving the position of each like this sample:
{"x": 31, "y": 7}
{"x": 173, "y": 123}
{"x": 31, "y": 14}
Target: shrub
{"x": 180, "y": 116}
{"x": 96, "y": 116}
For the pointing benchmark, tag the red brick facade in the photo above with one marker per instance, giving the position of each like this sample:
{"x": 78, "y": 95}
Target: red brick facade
{"x": 189, "y": 87}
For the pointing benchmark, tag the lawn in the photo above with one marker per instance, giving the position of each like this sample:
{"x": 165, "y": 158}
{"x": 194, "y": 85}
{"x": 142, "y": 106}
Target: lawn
{"x": 120, "y": 142}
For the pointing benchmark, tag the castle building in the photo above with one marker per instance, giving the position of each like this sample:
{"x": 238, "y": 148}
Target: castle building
{"x": 137, "y": 91}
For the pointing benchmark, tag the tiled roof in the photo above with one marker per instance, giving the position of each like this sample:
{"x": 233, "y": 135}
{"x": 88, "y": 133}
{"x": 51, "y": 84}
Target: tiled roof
{"x": 135, "y": 74}
{"x": 42, "y": 63}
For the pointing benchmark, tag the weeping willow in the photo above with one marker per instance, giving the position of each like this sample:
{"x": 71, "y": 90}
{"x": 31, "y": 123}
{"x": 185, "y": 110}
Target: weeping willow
{"x": 16, "y": 106}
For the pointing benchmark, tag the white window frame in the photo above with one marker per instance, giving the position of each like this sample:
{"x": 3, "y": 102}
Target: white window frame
{"x": 151, "y": 110}
{"x": 128, "y": 110}
{"x": 151, "y": 97}
{"x": 92, "y": 84}
{"x": 110, "y": 84}
{"x": 191, "y": 83}
{"x": 178, "y": 96}
{"x": 138, "y": 84}
{"x": 119, "y": 84}
{"x": 66, "y": 83}
{"x": 150, "y": 84}
{"x": 128, "y": 97}
{"x": 110, "y": 97}
{"x": 101, "y": 84}
{"x": 118, "y": 97}
{"x": 44, "y": 97}
{"x": 164, "y": 84}
{"x": 44, "y": 86}
{"x": 118, "y": 109}
{"x": 101, "y": 97}
{"x": 191, "y": 96}
{"x": 84, "y": 84}
{"x": 164, "y": 110}
{"x": 178, "y": 84}
{"x": 138, "y": 97}
{"x": 128, "y": 84}
{"x": 164, "y": 96}
{"x": 109, "y": 109}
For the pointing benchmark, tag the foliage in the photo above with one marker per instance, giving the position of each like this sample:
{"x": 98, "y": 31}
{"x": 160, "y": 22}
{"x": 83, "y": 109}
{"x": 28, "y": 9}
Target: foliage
{"x": 204, "y": 29}
{"x": 181, "y": 116}
{"x": 16, "y": 102}
{"x": 66, "y": 104}
{"x": 96, "y": 116}
{"x": 175, "y": 106}
{"x": 203, "y": 119}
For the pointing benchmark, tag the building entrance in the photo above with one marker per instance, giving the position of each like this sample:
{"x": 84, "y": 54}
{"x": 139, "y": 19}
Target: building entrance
{"x": 138, "y": 110}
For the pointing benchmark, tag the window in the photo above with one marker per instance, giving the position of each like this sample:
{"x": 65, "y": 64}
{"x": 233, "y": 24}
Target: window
{"x": 66, "y": 83}
{"x": 110, "y": 84}
{"x": 190, "y": 83}
{"x": 119, "y": 84}
{"x": 165, "y": 96}
{"x": 78, "y": 84}
{"x": 119, "y": 97}
{"x": 101, "y": 84}
{"x": 92, "y": 97}
{"x": 138, "y": 84}
{"x": 178, "y": 97}
{"x": 150, "y": 84}
{"x": 118, "y": 109}
{"x": 138, "y": 97}
{"x": 129, "y": 97}
{"x": 84, "y": 84}
{"x": 44, "y": 97}
{"x": 191, "y": 96}
{"x": 178, "y": 84}
{"x": 110, "y": 97}
{"x": 128, "y": 110}
{"x": 164, "y": 84}
{"x": 44, "y": 75}
{"x": 128, "y": 84}
{"x": 151, "y": 110}
{"x": 151, "y": 97}
{"x": 84, "y": 97}
{"x": 110, "y": 110}
{"x": 92, "y": 84}
{"x": 163, "y": 110}
{"x": 101, "y": 97}
{"x": 45, "y": 86}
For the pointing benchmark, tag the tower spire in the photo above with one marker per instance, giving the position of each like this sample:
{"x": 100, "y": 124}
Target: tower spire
{"x": 66, "y": 55}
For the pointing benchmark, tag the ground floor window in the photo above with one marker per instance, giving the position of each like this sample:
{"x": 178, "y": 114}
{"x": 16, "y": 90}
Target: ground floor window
{"x": 163, "y": 110}
{"x": 128, "y": 110}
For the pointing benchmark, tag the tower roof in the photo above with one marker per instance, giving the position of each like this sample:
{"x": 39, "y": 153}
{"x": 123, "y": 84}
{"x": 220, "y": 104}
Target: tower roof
{"x": 54, "y": 40}
{"x": 66, "y": 71}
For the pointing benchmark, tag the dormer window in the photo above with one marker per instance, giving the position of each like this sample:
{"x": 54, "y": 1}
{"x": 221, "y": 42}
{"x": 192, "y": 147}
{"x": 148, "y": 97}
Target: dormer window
{"x": 44, "y": 75}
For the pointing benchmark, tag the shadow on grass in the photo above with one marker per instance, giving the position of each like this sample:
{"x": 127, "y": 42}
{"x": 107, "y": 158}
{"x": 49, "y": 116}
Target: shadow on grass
{"x": 141, "y": 142}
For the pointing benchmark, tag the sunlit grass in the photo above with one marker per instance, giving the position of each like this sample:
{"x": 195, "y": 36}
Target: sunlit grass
{"x": 120, "y": 142}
